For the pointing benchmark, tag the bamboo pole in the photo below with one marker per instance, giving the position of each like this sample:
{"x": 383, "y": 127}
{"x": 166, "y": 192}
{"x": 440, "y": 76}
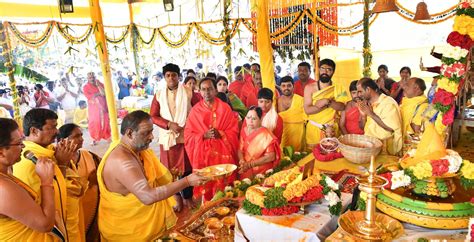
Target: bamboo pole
{"x": 366, "y": 52}
{"x": 315, "y": 46}
{"x": 134, "y": 42}
{"x": 6, "y": 53}
{"x": 96, "y": 17}
{"x": 228, "y": 44}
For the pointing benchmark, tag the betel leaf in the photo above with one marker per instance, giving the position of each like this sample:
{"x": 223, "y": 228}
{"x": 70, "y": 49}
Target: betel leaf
{"x": 274, "y": 198}
{"x": 251, "y": 208}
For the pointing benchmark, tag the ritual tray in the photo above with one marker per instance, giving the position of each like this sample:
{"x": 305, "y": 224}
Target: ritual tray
{"x": 193, "y": 229}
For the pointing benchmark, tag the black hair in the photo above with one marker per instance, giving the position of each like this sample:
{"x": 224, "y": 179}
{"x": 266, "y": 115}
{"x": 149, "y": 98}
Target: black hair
{"x": 382, "y": 67}
{"x": 66, "y": 130}
{"x": 287, "y": 79}
{"x": 133, "y": 120}
{"x": 258, "y": 110}
{"x": 211, "y": 75}
{"x": 82, "y": 103}
{"x": 188, "y": 78}
{"x": 420, "y": 83}
{"x": 38, "y": 87}
{"x": 353, "y": 86}
{"x": 214, "y": 83}
{"x": 237, "y": 69}
{"x": 36, "y": 118}
{"x": 8, "y": 126}
{"x": 246, "y": 66}
{"x": 223, "y": 97}
{"x": 171, "y": 67}
{"x": 265, "y": 93}
{"x": 222, "y": 78}
{"x": 369, "y": 83}
{"x": 304, "y": 63}
{"x": 406, "y": 68}
{"x": 256, "y": 64}
{"x": 328, "y": 62}
{"x": 190, "y": 71}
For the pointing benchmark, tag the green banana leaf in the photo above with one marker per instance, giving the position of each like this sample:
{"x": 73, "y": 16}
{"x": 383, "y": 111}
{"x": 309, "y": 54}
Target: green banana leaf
{"x": 25, "y": 72}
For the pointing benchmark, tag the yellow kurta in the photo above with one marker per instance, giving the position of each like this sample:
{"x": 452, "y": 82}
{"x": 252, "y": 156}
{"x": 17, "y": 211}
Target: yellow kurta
{"x": 387, "y": 109}
{"x": 125, "y": 218}
{"x": 13, "y": 230}
{"x": 293, "y": 124}
{"x": 412, "y": 110}
{"x": 80, "y": 117}
{"x": 326, "y": 116}
{"x": 25, "y": 171}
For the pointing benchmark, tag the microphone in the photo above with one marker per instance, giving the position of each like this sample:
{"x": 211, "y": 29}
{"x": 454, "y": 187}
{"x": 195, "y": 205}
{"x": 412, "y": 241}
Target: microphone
{"x": 30, "y": 156}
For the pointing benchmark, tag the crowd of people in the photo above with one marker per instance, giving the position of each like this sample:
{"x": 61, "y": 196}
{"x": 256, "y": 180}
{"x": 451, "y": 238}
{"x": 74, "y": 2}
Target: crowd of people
{"x": 203, "y": 120}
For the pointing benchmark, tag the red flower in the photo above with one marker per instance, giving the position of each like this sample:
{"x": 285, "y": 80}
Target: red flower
{"x": 387, "y": 176}
{"x": 448, "y": 117}
{"x": 443, "y": 97}
{"x": 465, "y": 5}
{"x": 311, "y": 195}
{"x": 439, "y": 167}
{"x": 457, "y": 39}
{"x": 280, "y": 210}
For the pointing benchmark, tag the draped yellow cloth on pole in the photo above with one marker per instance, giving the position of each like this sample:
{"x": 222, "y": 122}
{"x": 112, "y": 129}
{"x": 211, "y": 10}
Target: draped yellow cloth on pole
{"x": 98, "y": 28}
{"x": 264, "y": 46}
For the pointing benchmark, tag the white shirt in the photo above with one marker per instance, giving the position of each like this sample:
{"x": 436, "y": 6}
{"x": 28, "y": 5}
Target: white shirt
{"x": 69, "y": 101}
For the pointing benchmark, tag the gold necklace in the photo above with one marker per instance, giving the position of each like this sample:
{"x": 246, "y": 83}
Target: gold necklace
{"x": 137, "y": 156}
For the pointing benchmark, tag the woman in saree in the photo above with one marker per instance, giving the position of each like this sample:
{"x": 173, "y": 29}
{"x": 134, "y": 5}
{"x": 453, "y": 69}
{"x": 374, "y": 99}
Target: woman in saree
{"x": 82, "y": 187}
{"x": 23, "y": 217}
{"x": 259, "y": 149}
{"x": 236, "y": 104}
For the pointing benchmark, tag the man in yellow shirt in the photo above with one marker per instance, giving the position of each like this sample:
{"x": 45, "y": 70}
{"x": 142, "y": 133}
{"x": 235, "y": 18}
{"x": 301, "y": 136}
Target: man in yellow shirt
{"x": 290, "y": 109}
{"x": 136, "y": 190}
{"x": 39, "y": 127}
{"x": 382, "y": 114}
{"x": 413, "y": 105}
{"x": 322, "y": 100}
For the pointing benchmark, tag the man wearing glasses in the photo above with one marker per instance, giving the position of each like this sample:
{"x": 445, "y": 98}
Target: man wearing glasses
{"x": 322, "y": 99}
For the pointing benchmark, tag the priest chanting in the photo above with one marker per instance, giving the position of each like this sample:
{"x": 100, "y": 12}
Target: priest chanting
{"x": 136, "y": 190}
{"x": 211, "y": 135}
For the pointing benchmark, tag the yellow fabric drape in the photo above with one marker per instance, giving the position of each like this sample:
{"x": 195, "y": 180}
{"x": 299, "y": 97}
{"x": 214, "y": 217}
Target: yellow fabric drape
{"x": 387, "y": 109}
{"x": 126, "y": 218}
{"x": 25, "y": 171}
{"x": 412, "y": 110}
{"x": 293, "y": 124}
{"x": 76, "y": 187}
{"x": 13, "y": 230}
{"x": 326, "y": 116}
{"x": 264, "y": 46}
{"x": 96, "y": 17}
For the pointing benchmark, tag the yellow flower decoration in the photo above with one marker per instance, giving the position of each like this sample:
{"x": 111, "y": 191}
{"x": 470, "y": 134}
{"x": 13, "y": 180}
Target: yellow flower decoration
{"x": 447, "y": 85}
{"x": 464, "y": 25}
{"x": 422, "y": 170}
{"x": 439, "y": 126}
{"x": 467, "y": 169}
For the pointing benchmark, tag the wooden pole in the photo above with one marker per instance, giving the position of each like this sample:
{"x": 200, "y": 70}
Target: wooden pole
{"x": 366, "y": 52}
{"x": 6, "y": 53}
{"x": 96, "y": 17}
{"x": 315, "y": 46}
{"x": 134, "y": 42}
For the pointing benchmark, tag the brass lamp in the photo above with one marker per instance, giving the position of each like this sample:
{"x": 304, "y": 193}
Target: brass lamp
{"x": 382, "y": 6}
{"x": 422, "y": 12}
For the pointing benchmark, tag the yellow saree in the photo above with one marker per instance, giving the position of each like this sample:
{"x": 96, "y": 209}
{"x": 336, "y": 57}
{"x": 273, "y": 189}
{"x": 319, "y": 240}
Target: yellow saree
{"x": 125, "y": 218}
{"x": 13, "y": 230}
{"x": 412, "y": 110}
{"x": 293, "y": 124}
{"x": 76, "y": 186}
{"x": 326, "y": 116}
{"x": 25, "y": 171}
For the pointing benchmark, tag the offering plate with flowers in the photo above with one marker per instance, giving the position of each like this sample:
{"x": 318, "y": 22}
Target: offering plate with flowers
{"x": 283, "y": 192}
{"x": 430, "y": 187}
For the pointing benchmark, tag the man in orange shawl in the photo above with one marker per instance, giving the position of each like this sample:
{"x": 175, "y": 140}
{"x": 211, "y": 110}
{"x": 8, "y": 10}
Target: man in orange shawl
{"x": 99, "y": 124}
{"x": 136, "y": 190}
{"x": 244, "y": 87}
{"x": 211, "y": 135}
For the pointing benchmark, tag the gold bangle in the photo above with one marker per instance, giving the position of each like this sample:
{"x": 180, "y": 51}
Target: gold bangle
{"x": 187, "y": 181}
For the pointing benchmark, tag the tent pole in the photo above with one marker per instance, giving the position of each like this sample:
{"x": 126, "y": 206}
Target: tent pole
{"x": 6, "y": 53}
{"x": 96, "y": 17}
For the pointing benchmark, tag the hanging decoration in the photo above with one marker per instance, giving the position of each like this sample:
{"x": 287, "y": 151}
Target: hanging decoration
{"x": 453, "y": 68}
{"x": 8, "y": 64}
